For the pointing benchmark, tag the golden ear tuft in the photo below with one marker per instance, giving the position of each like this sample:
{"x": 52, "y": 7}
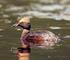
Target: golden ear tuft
{"x": 25, "y": 19}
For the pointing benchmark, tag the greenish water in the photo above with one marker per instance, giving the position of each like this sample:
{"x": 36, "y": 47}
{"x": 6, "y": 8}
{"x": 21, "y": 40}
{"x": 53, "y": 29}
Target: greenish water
{"x": 9, "y": 36}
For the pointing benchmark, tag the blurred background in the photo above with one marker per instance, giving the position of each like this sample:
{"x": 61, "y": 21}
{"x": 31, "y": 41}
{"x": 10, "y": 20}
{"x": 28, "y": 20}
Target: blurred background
{"x": 53, "y": 15}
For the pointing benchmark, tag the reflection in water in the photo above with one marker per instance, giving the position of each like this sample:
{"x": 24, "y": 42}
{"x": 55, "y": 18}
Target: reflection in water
{"x": 5, "y": 16}
{"x": 67, "y": 36}
{"x": 14, "y": 8}
{"x": 46, "y": 8}
{"x": 1, "y": 36}
{"x": 56, "y": 17}
{"x": 54, "y": 27}
{"x": 39, "y": 10}
{"x": 7, "y": 21}
{"x": 1, "y": 29}
{"x": 0, "y": 6}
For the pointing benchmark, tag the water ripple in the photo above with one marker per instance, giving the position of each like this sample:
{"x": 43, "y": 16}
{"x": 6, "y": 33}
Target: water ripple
{"x": 39, "y": 10}
{"x": 67, "y": 36}
{"x": 40, "y": 7}
{"x": 1, "y": 29}
{"x": 1, "y": 35}
{"x": 14, "y": 8}
{"x": 55, "y": 27}
{"x": 0, "y": 5}
{"x": 52, "y": 27}
{"x": 7, "y": 21}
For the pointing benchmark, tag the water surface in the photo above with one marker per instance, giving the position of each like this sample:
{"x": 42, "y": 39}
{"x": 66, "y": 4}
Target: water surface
{"x": 42, "y": 18}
